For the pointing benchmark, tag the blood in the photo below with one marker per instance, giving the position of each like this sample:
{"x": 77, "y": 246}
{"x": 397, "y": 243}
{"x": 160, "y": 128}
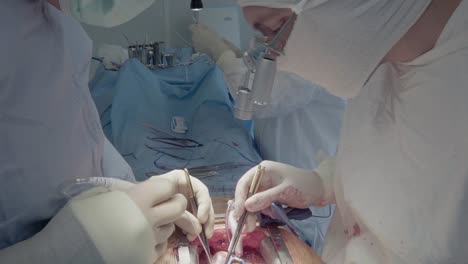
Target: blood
{"x": 356, "y": 230}
{"x": 219, "y": 243}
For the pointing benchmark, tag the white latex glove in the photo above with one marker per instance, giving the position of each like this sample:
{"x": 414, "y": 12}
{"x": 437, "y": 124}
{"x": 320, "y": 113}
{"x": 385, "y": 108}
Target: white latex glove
{"x": 113, "y": 55}
{"x": 206, "y": 41}
{"x": 162, "y": 197}
{"x": 226, "y": 55}
{"x": 234, "y": 70}
{"x": 162, "y": 205}
{"x": 281, "y": 183}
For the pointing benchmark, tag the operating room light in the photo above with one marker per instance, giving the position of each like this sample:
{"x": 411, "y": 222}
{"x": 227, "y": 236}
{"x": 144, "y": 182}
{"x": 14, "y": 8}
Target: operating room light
{"x": 196, "y": 5}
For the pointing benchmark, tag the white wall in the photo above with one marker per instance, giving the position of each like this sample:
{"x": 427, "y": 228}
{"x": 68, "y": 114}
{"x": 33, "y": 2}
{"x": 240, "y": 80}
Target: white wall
{"x": 150, "y": 22}
{"x": 181, "y": 18}
{"x": 165, "y": 20}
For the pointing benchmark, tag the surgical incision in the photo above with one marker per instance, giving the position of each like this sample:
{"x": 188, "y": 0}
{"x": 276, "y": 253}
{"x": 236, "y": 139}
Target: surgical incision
{"x": 219, "y": 244}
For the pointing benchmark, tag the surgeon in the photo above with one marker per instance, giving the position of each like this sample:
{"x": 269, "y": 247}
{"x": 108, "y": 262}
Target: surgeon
{"x": 50, "y": 137}
{"x": 299, "y": 127}
{"x": 400, "y": 179}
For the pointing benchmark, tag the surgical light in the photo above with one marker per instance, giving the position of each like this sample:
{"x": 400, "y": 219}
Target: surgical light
{"x": 255, "y": 90}
{"x": 196, "y": 5}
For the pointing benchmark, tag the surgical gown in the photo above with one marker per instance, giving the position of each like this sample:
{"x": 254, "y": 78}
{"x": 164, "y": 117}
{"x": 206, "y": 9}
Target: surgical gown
{"x": 49, "y": 128}
{"x": 402, "y": 175}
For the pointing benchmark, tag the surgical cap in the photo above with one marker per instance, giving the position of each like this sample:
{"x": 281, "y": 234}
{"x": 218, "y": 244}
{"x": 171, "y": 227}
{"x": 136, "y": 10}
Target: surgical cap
{"x": 295, "y": 5}
{"x": 273, "y": 3}
{"x": 339, "y": 43}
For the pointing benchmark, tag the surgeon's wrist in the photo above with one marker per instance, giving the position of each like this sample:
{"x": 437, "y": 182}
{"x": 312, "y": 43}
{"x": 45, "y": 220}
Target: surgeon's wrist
{"x": 226, "y": 59}
{"x": 116, "y": 226}
{"x": 219, "y": 49}
{"x": 326, "y": 172}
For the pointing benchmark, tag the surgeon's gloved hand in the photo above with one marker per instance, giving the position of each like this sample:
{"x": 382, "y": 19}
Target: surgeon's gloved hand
{"x": 281, "y": 183}
{"x": 164, "y": 194}
{"x": 162, "y": 205}
{"x": 225, "y": 54}
{"x": 128, "y": 224}
{"x": 162, "y": 202}
{"x": 206, "y": 41}
{"x": 113, "y": 56}
{"x": 165, "y": 208}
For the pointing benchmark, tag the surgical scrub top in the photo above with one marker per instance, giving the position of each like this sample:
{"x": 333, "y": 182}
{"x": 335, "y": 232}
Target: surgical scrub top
{"x": 49, "y": 127}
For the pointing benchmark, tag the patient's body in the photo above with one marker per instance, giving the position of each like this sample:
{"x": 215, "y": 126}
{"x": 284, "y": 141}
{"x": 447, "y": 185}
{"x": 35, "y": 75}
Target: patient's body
{"x": 219, "y": 244}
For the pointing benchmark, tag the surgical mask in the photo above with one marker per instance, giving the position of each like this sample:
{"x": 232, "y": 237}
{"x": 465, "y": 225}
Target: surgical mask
{"x": 104, "y": 13}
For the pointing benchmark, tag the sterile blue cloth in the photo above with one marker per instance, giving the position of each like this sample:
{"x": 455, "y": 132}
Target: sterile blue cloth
{"x": 137, "y": 105}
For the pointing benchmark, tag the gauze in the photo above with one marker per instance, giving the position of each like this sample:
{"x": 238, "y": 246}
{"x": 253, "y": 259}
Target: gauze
{"x": 338, "y": 44}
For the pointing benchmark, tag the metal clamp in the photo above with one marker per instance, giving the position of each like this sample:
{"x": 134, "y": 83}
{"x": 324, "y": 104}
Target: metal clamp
{"x": 280, "y": 245}
{"x": 236, "y": 260}
{"x": 151, "y": 54}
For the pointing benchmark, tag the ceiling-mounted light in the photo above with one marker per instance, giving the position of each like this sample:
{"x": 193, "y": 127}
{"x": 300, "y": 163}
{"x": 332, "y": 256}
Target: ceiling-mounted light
{"x": 196, "y": 5}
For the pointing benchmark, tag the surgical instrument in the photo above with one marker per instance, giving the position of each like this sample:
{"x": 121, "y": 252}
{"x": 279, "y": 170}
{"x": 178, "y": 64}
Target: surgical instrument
{"x": 279, "y": 245}
{"x": 236, "y": 260}
{"x": 150, "y": 54}
{"x": 194, "y": 205}
{"x": 257, "y": 179}
{"x": 279, "y": 213}
{"x": 177, "y": 142}
{"x": 255, "y": 90}
{"x": 291, "y": 213}
{"x": 185, "y": 252}
{"x": 205, "y": 171}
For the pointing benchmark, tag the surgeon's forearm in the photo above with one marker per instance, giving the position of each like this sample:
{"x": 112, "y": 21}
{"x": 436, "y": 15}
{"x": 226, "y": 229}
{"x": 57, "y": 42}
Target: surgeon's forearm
{"x": 234, "y": 70}
{"x": 104, "y": 228}
{"x": 65, "y": 242}
{"x": 55, "y": 3}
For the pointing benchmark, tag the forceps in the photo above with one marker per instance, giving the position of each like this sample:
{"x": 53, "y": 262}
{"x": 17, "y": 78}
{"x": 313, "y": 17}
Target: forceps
{"x": 252, "y": 190}
{"x": 177, "y": 142}
{"x": 194, "y": 204}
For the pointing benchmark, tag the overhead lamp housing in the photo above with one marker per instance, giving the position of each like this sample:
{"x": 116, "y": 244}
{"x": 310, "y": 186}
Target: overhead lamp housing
{"x": 196, "y": 5}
